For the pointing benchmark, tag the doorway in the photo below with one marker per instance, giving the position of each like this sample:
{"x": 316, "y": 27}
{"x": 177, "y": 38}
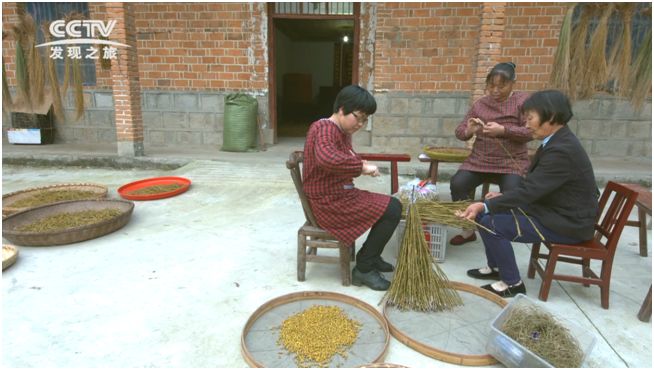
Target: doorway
{"x": 312, "y": 56}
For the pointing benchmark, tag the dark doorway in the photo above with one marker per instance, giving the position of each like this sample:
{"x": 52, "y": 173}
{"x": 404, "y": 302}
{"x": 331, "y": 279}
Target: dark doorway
{"x": 313, "y": 60}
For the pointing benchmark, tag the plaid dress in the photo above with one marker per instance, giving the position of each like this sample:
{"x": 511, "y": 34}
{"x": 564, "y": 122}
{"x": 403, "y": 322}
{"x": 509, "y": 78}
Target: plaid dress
{"x": 330, "y": 164}
{"x": 487, "y": 154}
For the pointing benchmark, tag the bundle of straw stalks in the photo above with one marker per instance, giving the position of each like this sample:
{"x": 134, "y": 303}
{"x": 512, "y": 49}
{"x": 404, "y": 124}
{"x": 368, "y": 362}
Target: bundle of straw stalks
{"x": 33, "y": 74}
{"x": 418, "y": 284}
{"x": 581, "y": 67}
{"x": 443, "y": 213}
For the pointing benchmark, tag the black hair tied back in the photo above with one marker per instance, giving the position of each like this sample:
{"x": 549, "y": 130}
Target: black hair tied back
{"x": 506, "y": 70}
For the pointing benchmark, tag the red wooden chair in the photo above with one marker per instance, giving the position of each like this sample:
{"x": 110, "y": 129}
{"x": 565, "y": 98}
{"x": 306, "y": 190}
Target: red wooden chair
{"x": 611, "y": 220}
{"x": 310, "y": 236}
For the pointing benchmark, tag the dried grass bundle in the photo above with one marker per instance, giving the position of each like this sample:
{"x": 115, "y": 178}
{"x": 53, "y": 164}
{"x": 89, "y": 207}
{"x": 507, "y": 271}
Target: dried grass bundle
{"x": 620, "y": 59}
{"x": 79, "y": 89}
{"x": 54, "y": 82}
{"x": 595, "y": 73}
{"x": 560, "y": 76}
{"x": 418, "y": 284}
{"x": 37, "y": 76}
{"x": 544, "y": 335}
{"x": 578, "y": 50}
{"x": 7, "y": 102}
{"x": 640, "y": 84}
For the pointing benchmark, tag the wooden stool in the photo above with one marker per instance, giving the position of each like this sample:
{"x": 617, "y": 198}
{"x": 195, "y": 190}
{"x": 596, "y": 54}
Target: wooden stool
{"x": 433, "y": 172}
{"x": 644, "y": 205}
{"x": 393, "y": 158}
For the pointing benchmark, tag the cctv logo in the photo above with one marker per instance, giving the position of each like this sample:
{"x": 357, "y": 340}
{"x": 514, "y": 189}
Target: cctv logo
{"x": 81, "y": 32}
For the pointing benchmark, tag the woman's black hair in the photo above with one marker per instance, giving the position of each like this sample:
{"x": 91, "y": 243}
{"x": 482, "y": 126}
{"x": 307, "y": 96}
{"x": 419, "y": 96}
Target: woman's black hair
{"x": 550, "y": 105}
{"x": 506, "y": 71}
{"x": 355, "y": 98}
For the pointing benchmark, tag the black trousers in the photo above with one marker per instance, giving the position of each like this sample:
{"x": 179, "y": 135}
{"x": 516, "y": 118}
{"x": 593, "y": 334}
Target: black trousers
{"x": 378, "y": 236}
{"x": 464, "y": 182}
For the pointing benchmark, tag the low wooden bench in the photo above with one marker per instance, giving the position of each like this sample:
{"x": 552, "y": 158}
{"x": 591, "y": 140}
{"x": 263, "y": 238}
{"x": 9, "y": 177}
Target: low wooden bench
{"x": 393, "y": 159}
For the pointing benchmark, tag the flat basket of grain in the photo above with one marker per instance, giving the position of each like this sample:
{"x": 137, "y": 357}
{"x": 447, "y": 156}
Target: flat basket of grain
{"x": 525, "y": 334}
{"x": 9, "y": 255}
{"x": 445, "y": 154}
{"x": 35, "y": 197}
{"x": 66, "y": 222}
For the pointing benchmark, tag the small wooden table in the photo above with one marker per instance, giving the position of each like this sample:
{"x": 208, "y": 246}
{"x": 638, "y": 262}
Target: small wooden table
{"x": 393, "y": 159}
{"x": 644, "y": 205}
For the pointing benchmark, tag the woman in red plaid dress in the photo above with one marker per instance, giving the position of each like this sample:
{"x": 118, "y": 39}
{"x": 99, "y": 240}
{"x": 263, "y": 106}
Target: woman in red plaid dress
{"x": 330, "y": 165}
{"x": 499, "y": 154}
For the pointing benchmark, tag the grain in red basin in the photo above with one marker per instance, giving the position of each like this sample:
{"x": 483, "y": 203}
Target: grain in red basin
{"x": 126, "y": 191}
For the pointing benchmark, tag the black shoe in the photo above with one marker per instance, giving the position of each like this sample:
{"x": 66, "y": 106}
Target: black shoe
{"x": 509, "y": 292}
{"x": 475, "y": 273}
{"x": 382, "y": 266}
{"x": 372, "y": 279}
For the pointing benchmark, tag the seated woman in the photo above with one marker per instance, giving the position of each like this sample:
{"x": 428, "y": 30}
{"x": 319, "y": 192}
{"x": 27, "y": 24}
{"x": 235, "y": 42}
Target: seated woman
{"x": 556, "y": 202}
{"x": 330, "y": 164}
{"x": 499, "y": 153}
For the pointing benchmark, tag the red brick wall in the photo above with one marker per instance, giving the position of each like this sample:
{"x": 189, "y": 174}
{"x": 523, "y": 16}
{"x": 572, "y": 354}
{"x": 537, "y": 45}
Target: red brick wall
{"x": 201, "y": 46}
{"x": 187, "y": 46}
{"x": 426, "y": 47}
{"x": 531, "y": 36}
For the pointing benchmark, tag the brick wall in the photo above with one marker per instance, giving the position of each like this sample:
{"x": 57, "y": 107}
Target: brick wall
{"x": 202, "y": 46}
{"x": 531, "y": 36}
{"x": 425, "y": 46}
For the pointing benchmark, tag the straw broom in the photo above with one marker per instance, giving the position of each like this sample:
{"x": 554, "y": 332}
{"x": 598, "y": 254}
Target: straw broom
{"x": 418, "y": 284}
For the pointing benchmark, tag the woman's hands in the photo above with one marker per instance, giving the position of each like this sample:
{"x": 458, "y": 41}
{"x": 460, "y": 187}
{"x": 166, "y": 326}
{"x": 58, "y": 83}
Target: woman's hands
{"x": 472, "y": 211}
{"x": 477, "y": 126}
{"x": 369, "y": 169}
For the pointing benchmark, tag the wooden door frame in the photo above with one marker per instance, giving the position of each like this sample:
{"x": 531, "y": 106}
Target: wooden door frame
{"x": 272, "y": 79}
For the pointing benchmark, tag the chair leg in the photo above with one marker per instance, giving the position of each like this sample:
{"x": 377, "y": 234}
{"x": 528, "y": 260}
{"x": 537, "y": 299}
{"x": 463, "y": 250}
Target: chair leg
{"x": 605, "y": 283}
{"x": 533, "y": 260}
{"x": 301, "y": 256}
{"x": 547, "y": 276}
{"x": 344, "y": 254}
{"x": 645, "y": 312}
{"x": 585, "y": 266}
{"x": 642, "y": 231}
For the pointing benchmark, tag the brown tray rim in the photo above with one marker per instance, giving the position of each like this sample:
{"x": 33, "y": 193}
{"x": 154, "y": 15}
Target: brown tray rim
{"x": 305, "y": 295}
{"x": 450, "y": 357}
{"x": 21, "y": 235}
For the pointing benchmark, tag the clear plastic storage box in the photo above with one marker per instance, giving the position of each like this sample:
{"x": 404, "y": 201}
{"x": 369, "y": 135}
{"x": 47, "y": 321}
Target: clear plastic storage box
{"x": 513, "y": 354}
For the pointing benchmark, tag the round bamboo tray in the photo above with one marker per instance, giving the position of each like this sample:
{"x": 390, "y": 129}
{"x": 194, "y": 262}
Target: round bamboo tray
{"x": 66, "y": 236}
{"x": 437, "y": 334}
{"x": 9, "y": 255}
{"x": 446, "y": 154}
{"x": 382, "y": 365}
{"x": 259, "y": 339}
{"x": 100, "y": 191}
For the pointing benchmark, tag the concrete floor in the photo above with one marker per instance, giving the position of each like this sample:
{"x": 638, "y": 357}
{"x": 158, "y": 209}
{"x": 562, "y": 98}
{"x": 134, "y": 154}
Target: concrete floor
{"x": 175, "y": 286}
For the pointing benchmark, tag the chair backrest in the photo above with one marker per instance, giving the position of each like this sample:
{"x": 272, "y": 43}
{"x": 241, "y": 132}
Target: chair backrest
{"x": 613, "y": 216}
{"x": 293, "y": 164}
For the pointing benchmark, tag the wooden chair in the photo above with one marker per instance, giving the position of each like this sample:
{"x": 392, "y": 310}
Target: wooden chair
{"x": 608, "y": 227}
{"x": 310, "y": 236}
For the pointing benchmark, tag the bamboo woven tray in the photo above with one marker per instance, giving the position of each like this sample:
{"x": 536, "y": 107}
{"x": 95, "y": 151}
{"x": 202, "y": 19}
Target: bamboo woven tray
{"x": 100, "y": 191}
{"x": 259, "y": 339}
{"x": 9, "y": 255}
{"x": 458, "y": 336}
{"x": 446, "y": 154}
{"x": 66, "y": 236}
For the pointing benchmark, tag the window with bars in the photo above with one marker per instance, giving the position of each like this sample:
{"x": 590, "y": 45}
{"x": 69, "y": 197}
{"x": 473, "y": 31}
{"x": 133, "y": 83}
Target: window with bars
{"x": 316, "y": 8}
{"x": 44, "y": 13}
